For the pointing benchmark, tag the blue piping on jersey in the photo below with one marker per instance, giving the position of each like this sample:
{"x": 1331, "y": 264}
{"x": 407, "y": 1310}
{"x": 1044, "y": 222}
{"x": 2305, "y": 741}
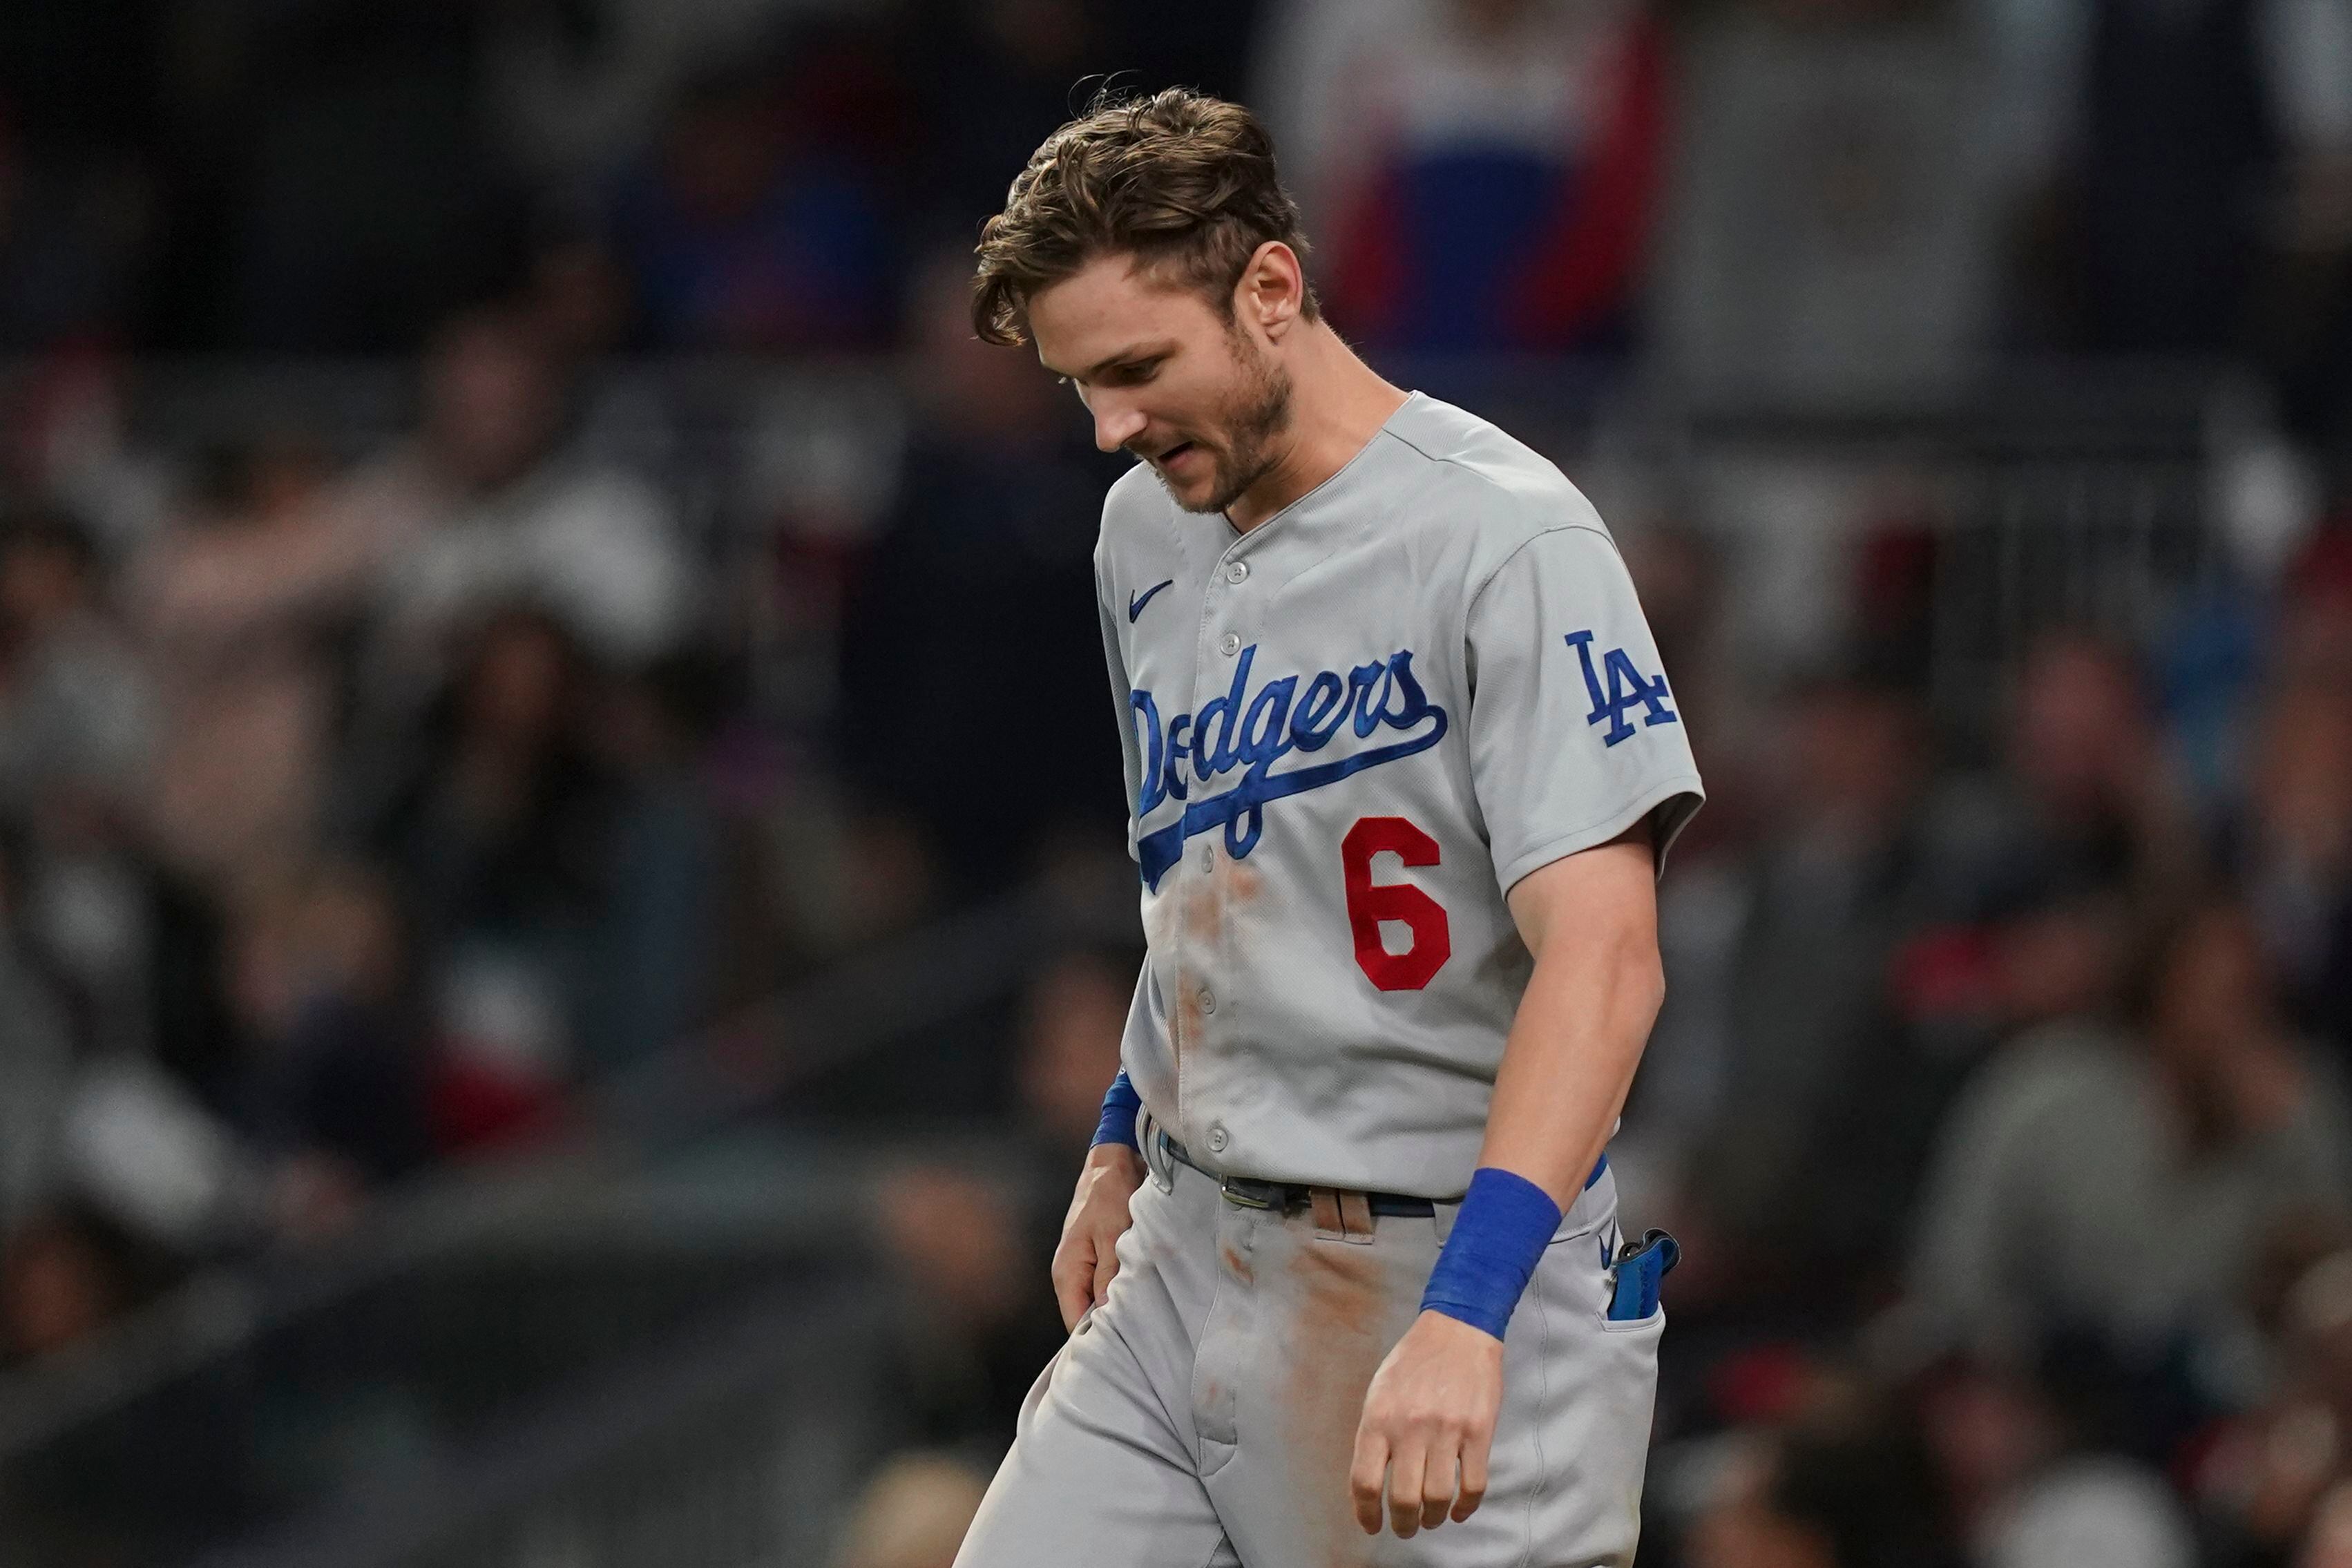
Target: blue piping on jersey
{"x": 1259, "y": 730}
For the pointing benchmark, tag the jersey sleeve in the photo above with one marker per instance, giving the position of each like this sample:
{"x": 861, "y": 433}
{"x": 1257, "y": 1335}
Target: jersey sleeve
{"x": 1575, "y": 734}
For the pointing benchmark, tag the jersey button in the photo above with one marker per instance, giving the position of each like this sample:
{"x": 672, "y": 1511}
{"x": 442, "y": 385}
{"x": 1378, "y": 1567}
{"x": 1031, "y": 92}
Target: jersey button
{"x": 1207, "y": 1000}
{"x": 1230, "y": 644}
{"x": 1237, "y": 572}
{"x": 1218, "y": 1140}
{"x": 1208, "y": 857}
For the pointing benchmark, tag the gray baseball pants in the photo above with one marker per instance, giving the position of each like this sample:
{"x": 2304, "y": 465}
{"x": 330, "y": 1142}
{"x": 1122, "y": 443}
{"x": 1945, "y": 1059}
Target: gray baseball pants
{"x": 1205, "y": 1412}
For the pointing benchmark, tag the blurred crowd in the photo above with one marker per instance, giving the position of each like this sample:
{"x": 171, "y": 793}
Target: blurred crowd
{"x": 1819, "y": 202}
{"x": 351, "y": 812}
{"x": 359, "y": 806}
{"x": 2000, "y": 1102}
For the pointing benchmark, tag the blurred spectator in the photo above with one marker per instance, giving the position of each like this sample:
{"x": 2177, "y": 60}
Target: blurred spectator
{"x": 2295, "y": 852}
{"x": 142, "y": 1152}
{"x": 761, "y": 221}
{"x": 667, "y": 936}
{"x": 503, "y": 1049}
{"x": 332, "y": 1081}
{"x": 998, "y": 505}
{"x": 130, "y": 945}
{"x": 2029, "y": 1482}
{"x": 76, "y": 731}
{"x": 1073, "y": 1019}
{"x": 2282, "y": 1475}
{"x": 983, "y": 1321}
{"x": 577, "y": 295}
{"x": 2315, "y": 632}
{"x": 498, "y": 831}
{"x": 1835, "y": 232}
{"x": 2122, "y": 114}
{"x": 977, "y": 1246}
{"x": 2088, "y": 1182}
{"x": 913, "y": 1514}
{"x": 36, "y": 1062}
{"x": 1704, "y": 908}
{"x": 1810, "y": 1170}
{"x": 243, "y": 603}
{"x": 2088, "y": 795}
{"x": 1479, "y": 174}
{"x": 580, "y": 85}
{"x": 1831, "y": 1493}
{"x": 488, "y": 506}
{"x": 61, "y": 1276}
{"x": 76, "y": 717}
{"x": 66, "y": 440}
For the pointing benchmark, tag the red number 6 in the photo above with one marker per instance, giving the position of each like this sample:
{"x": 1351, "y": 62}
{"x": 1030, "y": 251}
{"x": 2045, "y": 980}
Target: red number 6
{"x": 1370, "y": 903}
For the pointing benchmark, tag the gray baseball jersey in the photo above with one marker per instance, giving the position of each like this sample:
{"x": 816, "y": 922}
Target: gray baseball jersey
{"x": 1348, "y": 733}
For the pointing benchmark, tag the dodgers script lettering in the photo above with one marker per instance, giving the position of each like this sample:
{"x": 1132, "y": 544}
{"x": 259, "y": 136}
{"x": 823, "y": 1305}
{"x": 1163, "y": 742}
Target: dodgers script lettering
{"x": 1255, "y": 729}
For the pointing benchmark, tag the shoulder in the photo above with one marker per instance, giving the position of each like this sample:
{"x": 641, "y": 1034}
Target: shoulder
{"x": 1484, "y": 486}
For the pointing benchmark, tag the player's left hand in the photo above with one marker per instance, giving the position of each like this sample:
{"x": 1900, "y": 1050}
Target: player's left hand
{"x": 1428, "y": 1423}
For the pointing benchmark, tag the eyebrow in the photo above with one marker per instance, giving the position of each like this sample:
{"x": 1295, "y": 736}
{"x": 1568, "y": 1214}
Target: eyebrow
{"x": 1131, "y": 352}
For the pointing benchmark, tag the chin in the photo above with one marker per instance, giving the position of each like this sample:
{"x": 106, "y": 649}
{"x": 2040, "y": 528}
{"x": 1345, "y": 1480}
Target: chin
{"x": 1191, "y": 498}
{"x": 1201, "y": 505}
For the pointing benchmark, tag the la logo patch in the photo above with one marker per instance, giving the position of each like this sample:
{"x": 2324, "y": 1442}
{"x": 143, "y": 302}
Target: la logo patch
{"x": 1628, "y": 688}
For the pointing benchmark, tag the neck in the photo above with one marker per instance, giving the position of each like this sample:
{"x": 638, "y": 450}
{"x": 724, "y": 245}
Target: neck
{"x": 1338, "y": 403}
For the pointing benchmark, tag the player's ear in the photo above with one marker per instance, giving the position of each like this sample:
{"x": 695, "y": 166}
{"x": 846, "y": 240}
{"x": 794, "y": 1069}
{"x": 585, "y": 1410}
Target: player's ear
{"x": 1271, "y": 288}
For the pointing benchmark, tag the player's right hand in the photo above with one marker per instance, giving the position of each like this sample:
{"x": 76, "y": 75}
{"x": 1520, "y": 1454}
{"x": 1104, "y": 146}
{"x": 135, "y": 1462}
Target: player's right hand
{"x": 1088, "y": 1255}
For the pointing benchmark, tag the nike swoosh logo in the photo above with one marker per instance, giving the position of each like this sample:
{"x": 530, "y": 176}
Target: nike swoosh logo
{"x": 1135, "y": 606}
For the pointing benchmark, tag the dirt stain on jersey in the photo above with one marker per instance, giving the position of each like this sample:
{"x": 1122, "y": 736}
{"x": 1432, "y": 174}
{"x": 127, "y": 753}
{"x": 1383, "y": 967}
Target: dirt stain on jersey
{"x": 1337, "y": 1338}
{"x": 1235, "y": 1264}
{"x": 1211, "y": 899}
{"x": 1204, "y": 908}
{"x": 1184, "y": 1024}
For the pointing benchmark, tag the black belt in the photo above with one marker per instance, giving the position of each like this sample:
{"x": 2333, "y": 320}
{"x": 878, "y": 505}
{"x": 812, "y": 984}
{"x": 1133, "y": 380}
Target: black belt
{"x": 1283, "y": 1196}
{"x": 1286, "y": 1196}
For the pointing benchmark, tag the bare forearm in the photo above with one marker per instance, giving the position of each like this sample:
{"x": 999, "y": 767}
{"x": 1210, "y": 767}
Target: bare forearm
{"x": 1569, "y": 1064}
{"x": 1584, "y": 1019}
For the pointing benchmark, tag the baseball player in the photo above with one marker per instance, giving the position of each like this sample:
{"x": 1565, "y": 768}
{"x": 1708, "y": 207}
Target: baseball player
{"x": 1342, "y": 1270}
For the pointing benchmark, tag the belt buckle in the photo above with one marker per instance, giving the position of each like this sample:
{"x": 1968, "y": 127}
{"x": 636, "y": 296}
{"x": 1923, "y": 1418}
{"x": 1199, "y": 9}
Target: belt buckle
{"x": 1250, "y": 1194}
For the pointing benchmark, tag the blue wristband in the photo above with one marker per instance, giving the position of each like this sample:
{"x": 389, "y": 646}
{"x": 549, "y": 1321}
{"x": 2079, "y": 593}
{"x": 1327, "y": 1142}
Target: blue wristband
{"x": 1506, "y": 1223}
{"x": 1119, "y": 1106}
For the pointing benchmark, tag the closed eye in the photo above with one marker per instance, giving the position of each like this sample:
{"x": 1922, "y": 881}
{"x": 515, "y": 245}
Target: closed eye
{"x": 1138, "y": 371}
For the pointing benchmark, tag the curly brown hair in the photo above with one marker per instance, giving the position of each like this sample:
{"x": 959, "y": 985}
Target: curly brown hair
{"x": 1183, "y": 181}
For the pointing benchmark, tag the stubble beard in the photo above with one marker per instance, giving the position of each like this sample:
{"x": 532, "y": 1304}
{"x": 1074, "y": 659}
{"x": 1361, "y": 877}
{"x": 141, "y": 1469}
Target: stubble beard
{"x": 1254, "y": 418}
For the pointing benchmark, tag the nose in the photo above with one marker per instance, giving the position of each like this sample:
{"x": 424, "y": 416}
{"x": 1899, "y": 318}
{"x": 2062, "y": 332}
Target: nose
{"x": 1116, "y": 425}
